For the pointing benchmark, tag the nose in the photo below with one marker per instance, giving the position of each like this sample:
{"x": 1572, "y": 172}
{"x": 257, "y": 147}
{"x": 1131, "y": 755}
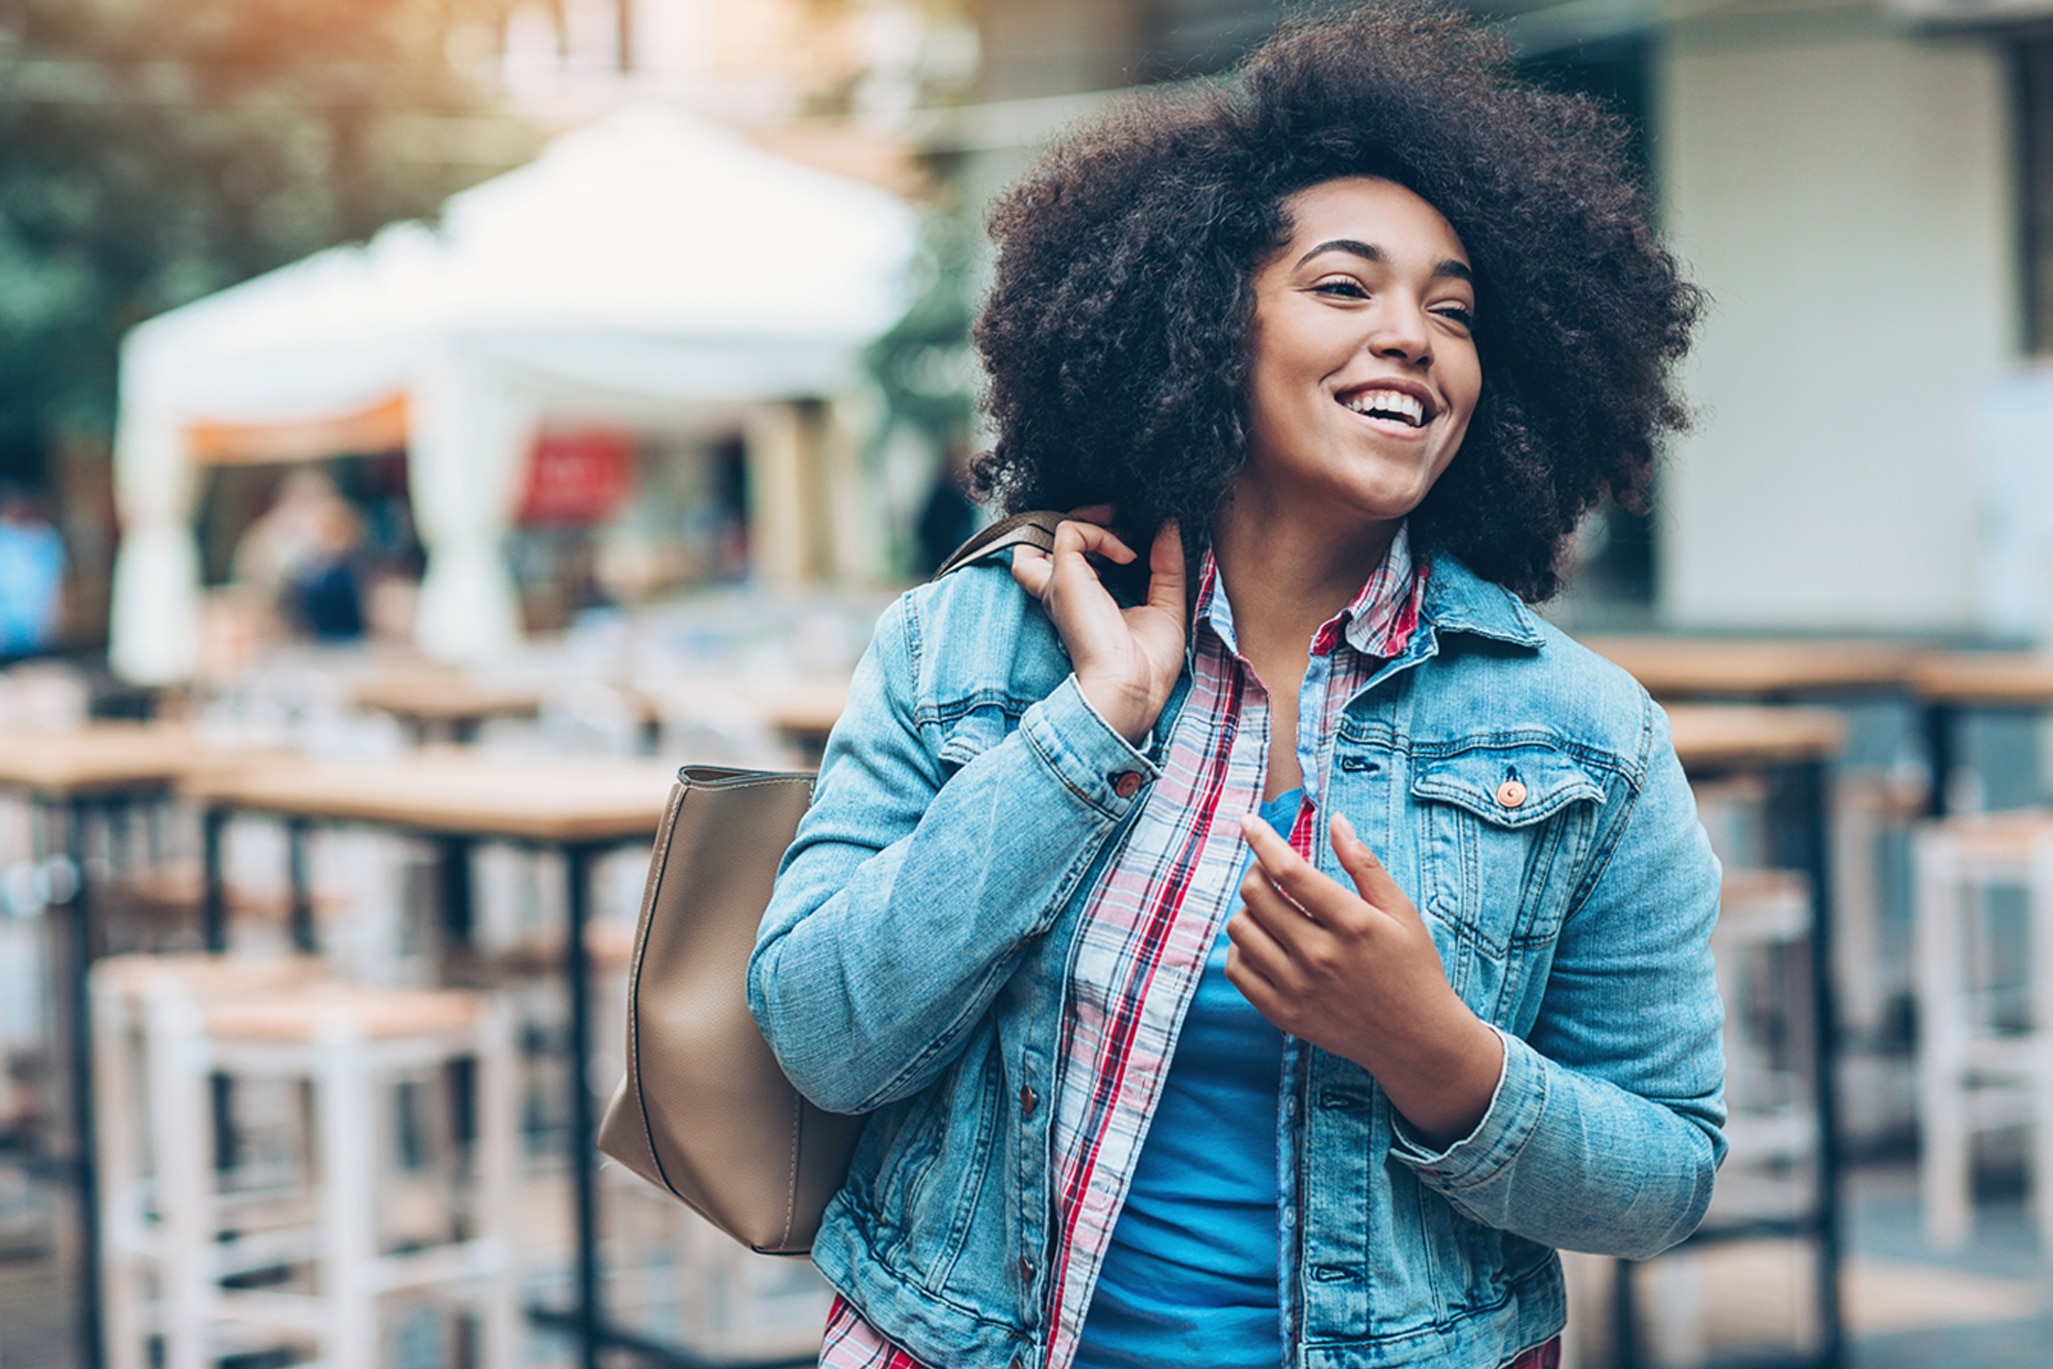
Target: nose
{"x": 1398, "y": 332}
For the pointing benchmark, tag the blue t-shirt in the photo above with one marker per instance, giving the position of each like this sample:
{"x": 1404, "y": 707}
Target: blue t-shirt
{"x": 31, "y": 577}
{"x": 1190, "y": 1276}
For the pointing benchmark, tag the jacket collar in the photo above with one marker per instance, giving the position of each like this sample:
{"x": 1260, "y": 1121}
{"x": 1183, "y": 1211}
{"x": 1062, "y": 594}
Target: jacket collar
{"x": 1459, "y": 600}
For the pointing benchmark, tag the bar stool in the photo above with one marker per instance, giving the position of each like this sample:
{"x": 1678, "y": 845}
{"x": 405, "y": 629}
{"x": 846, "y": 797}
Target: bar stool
{"x": 131, "y": 1248}
{"x": 1761, "y": 946}
{"x": 1982, "y": 1063}
{"x": 340, "y": 1042}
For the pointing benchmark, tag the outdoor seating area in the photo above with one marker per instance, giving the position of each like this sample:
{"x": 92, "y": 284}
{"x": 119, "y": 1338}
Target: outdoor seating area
{"x": 296, "y": 984}
{"x": 311, "y": 983}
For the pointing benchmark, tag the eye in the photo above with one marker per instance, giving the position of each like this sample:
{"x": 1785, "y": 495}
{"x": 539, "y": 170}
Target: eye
{"x": 1457, "y": 313}
{"x": 1341, "y": 287}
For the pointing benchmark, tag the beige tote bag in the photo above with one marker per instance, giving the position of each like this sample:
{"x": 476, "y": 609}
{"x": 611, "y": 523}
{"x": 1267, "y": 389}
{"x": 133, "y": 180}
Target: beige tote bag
{"x": 704, "y": 1111}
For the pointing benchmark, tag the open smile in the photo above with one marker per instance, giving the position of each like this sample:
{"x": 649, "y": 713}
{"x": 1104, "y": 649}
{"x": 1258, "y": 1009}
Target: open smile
{"x": 1402, "y": 411}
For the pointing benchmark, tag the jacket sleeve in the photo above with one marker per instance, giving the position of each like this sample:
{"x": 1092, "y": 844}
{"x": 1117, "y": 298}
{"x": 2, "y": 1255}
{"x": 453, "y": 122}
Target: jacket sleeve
{"x": 1617, "y": 1154}
{"x": 905, "y": 902}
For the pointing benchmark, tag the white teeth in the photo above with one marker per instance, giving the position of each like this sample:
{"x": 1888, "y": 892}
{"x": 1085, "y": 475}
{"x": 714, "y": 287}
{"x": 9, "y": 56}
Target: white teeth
{"x": 1392, "y": 403}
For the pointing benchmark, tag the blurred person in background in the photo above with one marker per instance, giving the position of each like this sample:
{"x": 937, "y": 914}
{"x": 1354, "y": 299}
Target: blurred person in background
{"x": 949, "y": 515}
{"x": 300, "y": 555}
{"x": 31, "y": 576}
{"x": 1276, "y": 942}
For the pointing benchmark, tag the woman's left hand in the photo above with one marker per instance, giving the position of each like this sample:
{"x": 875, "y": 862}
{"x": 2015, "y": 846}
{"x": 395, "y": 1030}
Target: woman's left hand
{"x": 1355, "y": 972}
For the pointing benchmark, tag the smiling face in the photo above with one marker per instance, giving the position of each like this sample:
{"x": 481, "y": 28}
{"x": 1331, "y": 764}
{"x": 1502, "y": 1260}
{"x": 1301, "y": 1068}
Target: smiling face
{"x": 1364, "y": 368}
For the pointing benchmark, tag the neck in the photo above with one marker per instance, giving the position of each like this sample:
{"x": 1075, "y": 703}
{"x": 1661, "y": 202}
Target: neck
{"x": 1292, "y": 571}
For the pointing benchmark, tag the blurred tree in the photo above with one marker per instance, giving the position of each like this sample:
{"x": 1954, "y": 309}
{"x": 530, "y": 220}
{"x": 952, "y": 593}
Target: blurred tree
{"x": 924, "y": 366}
{"x": 153, "y": 151}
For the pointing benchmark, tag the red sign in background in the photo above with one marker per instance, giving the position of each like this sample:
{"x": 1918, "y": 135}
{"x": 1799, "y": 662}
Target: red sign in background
{"x": 578, "y": 477}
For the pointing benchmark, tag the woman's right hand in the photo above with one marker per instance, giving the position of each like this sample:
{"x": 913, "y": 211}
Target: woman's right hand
{"x": 1126, "y": 659}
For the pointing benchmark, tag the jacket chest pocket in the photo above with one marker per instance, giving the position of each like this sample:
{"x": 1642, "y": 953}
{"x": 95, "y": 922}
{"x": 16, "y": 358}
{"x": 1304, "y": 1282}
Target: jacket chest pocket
{"x": 1502, "y": 833}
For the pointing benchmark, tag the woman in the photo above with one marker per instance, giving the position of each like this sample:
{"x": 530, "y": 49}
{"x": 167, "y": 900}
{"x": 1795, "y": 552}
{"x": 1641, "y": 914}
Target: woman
{"x": 1277, "y": 963}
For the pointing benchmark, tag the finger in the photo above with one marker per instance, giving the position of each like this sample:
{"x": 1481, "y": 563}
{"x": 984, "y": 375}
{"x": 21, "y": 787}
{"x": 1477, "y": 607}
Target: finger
{"x": 1074, "y": 539}
{"x": 1165, "y": 569}
{"x": 1371, "y": 879}
{"x": 1279, "y": 861}
{"x": 1260, "y": 952}
{"x": 1321, "y": 897}
{"x": 1267, "y": 997}
{"x": 1032, "y": 568}
{"x": 1287, "y": 924}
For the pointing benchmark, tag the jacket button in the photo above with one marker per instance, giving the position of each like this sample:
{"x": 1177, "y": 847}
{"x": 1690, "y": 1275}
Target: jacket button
{"x": 1511, "y": 793}
{"x": 1026, "y": 1270}
{"x": 1027, "y": 1100}
{"x": 1126, "y": 783}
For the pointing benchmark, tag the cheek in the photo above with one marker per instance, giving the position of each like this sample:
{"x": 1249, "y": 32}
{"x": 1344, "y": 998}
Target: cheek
{"x": 1466, "y": 381}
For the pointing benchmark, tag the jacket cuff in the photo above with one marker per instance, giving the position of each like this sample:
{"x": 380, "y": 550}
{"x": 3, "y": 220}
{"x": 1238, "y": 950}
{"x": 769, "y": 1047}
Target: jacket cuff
{"x": 1484, "y": 1154}
{"x": 1087, "y": 755}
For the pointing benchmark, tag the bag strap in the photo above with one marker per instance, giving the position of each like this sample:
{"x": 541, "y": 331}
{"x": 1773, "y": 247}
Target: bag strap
{"x": 1034, "y": 528}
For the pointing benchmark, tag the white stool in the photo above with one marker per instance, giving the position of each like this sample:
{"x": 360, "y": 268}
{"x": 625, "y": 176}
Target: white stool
{"x": 342, "y": 1041}
{"x": 1761, "y": 948}
{"x": 131, "y": 1250}
{"x": 1976, "y": 1072}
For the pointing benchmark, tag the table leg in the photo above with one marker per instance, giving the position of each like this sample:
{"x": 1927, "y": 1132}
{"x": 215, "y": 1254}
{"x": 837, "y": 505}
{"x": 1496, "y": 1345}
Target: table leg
{"x": 80, "y": 1016}
{"x": 1625, "y": 1321}
{"x": 303, "y": 936}
{"x": 584, "y": 1131}
{"x": 213, "y": 894}
{"x": 1941, "y": 726}
{"x": 458, "y": 909}
{"x": 1803, "y": 841}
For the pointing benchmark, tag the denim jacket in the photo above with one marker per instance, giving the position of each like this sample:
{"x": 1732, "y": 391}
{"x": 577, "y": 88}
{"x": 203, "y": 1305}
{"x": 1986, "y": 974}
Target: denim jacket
{"x": 914, "y": 959}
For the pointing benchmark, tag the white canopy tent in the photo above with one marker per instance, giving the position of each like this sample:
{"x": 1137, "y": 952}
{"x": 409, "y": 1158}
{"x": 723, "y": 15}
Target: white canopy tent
{"x": 645, "y": 268}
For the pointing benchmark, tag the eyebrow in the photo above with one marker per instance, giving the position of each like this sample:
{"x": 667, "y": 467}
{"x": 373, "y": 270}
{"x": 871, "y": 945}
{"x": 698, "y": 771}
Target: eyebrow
{"x": 1370, "y": 252}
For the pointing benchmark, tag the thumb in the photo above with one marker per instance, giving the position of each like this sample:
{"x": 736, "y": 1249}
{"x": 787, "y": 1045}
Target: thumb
{"x": 1165, "y": 569}
{"x": 1371, "y": 880}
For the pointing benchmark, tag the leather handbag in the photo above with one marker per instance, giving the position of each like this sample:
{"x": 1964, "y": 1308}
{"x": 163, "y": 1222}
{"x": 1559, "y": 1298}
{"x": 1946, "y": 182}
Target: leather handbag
{"x": 704, "y": 1112}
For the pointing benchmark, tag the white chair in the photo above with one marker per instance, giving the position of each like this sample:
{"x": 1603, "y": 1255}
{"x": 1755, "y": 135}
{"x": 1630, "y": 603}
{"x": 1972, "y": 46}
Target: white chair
{"x": 1761, "y": 947}
{"x": 331, "y": 1264}
{"x": 1985, "y": 1037}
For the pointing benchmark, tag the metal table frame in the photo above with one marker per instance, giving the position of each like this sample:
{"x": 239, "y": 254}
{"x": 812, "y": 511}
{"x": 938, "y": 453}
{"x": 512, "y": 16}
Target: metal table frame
{"x": 585, "y": 1318}
{"x": 74, "y": 1011}
{"x": 1800, "y": 839}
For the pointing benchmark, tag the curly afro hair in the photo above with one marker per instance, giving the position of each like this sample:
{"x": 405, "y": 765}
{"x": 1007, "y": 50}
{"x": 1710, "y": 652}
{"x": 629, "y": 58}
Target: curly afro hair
{"x": 1115, "y": 335}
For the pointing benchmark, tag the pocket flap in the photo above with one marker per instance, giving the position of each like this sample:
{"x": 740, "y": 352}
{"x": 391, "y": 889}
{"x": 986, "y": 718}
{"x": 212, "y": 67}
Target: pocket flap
{"x": 971, "y": 735}
{"x": 1506, "y": 786}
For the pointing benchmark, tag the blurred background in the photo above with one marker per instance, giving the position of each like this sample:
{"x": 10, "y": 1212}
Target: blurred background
{"x": 426, "y": 423}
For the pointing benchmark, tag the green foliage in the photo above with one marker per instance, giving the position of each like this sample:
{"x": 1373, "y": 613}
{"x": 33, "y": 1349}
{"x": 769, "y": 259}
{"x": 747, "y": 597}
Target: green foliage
{"x": 153, "y": 151}
{"x": 924, "y": 365}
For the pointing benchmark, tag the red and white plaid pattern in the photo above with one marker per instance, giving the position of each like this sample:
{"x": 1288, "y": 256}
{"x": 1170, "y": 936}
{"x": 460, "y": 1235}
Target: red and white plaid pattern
{"x": 1154, "y": 915}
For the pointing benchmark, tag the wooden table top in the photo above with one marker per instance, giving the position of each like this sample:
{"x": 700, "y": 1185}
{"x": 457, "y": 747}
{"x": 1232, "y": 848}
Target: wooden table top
{"x": 804, "y": 708}
{"x": 459, "y": 793}
{"x": 1742, "y": 667}
{"x": 104, "y": 759}
{"x": 2019, "y": 678}
{"x": 807, "y": 709}
{"x": 1721, "y": 736}
{"x": 434, "y": 696}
